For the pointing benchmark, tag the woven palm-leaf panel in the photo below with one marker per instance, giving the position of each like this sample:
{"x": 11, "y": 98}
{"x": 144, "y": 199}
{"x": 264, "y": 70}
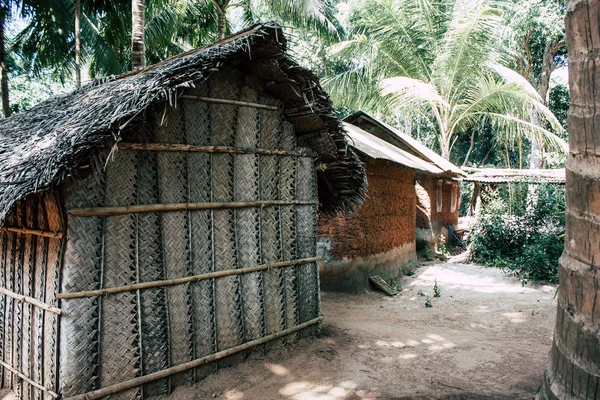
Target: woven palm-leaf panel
{"x": 306, "y": 243}
{"x": 198, "y": 132}
{"x": 39, "y": 293}
{"x": 10, "y": 306}
{"x": 287, "y": 173}
{"x": 82, "y": 270}
{"x": 246, "y": 182}
{"x": 3, "y": 302}
{"x": 223, "y": 117}
{"x": 19, "y": 307}
{"x": 228, "y": 309}
{"x": 154, "y": 315}
{"x": 119, "y": 348}
{"x": 52, "y": 270}
{"x": 173, "y": 188}
{"x": 28, "y": 309}
{"x": 288, "y": 136}
{"x": 227, "y": 295}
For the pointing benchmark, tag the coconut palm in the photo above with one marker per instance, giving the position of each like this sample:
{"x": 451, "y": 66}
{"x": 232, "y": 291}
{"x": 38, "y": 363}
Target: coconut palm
{"x": 437, "y": 61}
{"x": 4, "y": 10}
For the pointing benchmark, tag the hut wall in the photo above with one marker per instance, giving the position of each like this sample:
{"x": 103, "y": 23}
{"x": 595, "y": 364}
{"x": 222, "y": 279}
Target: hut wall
{"x": 378, "y": 238}
{"x": 105, "y": 340}
{"x": 29, "y": 266}
{"x": 437, "y": 207}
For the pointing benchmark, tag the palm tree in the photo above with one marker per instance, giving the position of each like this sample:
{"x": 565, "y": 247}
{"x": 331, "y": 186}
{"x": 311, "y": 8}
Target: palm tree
{"x": 437, "y": 61}
{"x": 572, "y": 370}
{"x": 138, "y": 47}
{"x": 4, "y": 9}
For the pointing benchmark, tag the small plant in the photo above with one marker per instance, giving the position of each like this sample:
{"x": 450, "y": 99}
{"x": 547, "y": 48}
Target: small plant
{"x": 420, "y": 293}
{"x": 436, "y": 290}
{"x": 409, "y": 268}
{"x": 428, "y": 302}
{"x": 443, "y": 251}
{"x": 428, "y": 253}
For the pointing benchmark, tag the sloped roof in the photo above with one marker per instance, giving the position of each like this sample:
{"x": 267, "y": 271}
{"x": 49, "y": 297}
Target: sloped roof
{"x": 402, "y": 140}
{"x": 377, "y": 148}
{"x": 39, "y": 148}
{"x": 496, "y": 175}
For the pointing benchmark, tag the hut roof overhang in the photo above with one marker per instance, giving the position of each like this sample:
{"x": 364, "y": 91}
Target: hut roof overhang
{"x": 497, "y": 175}
{"x": 398, "y": 138}
{"x": 41, "y": 147}
{"x": 377, "y": 148}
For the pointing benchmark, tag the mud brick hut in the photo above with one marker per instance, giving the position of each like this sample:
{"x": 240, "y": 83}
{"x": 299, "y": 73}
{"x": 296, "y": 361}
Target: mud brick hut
{"x": 380, "y": 236}
{"x": 438, "y": 194}
{"x": 160, "y": 224}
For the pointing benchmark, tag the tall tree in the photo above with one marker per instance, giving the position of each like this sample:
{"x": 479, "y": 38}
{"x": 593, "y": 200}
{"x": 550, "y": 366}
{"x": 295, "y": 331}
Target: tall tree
{"x": 77, "y": 44}
{"x": 437, "y": 61}
{"x": 138, "y": 47}
{"x": 573, "y": 372}
{"x": 538, "y": 37}
{"x": 4, "y": 10}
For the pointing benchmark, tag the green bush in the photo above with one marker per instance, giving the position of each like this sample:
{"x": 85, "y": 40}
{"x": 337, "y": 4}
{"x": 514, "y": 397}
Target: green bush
{"x": 524, "y": 237}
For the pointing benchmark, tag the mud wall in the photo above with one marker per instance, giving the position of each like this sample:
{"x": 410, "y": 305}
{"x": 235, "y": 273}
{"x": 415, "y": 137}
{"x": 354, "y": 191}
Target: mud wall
{"x": 437, "y": 206}
{"x": 379, "y": 237}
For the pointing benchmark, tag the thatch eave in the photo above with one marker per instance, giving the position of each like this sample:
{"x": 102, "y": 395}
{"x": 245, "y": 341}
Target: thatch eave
{"x": 41, "y": 147}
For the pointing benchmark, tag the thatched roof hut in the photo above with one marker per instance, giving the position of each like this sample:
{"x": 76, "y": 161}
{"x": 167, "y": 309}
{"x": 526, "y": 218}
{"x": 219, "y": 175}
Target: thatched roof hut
{"x": 158, "y": 224}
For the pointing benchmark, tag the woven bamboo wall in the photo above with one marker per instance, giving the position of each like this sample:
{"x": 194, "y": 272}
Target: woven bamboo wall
{"x": 29, "y": 266}
{"x": 108, "y": 339}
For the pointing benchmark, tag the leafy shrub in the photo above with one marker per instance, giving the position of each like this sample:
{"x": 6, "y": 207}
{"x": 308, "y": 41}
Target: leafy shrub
{"x": 525, "y": 238}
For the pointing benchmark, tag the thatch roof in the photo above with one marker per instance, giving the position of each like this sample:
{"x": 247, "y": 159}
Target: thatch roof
{"x": 402, "y": 141}
{"x": 40, "y": 148}
{"x": 496, "y": 175}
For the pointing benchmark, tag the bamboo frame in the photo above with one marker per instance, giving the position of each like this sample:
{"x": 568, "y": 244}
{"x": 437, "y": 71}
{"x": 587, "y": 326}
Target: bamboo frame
{"x": 165, "y": 373}
{"x": 26, "y": 379}
{"x": 30, "y": 300}
{"x": 35, "y": 232}
{"x": 181, "y": 281}
{"x": 208, "y": 149}
{"x": 148, "y": 208}
{"x": 230, "y": 102}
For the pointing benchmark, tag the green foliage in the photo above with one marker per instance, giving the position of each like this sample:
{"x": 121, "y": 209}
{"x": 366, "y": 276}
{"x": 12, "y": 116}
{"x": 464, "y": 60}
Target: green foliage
{"x": 521, "y": 236}
{"x": 443, "y": 250}
{"x": 437, "y": 292}
{"x": 437, "y": 62}
{"x": 559, "y": 100}
{"x": 428, "y": 302}
{"x": 410, "y": 268}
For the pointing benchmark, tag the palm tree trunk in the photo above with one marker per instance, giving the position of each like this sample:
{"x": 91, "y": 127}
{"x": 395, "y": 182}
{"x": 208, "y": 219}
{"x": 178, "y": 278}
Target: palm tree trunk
{"x": 138, "y": 47}
{"x": 537, "y": 148}
{"x": 77, "y": 44}
{"x": 572, "y": 371}
{"x": 3, "y": 66}
{"x": 222, "y": 10}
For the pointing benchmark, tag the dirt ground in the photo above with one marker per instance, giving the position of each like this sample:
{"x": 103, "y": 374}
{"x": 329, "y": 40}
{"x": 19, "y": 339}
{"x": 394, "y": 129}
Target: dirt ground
{"x": 485, "y": 338}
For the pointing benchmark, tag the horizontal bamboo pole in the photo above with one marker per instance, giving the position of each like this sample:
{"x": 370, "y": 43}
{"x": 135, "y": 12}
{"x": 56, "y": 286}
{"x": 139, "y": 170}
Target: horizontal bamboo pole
{"x": 30, "y": 300}
{"x": 165, "y": 373}
{"x": 35, "y": 232}
{"x": 148, "y": 208}
{"x": 26, "y": 379}
{"x": 207, "y": 149}
{"x": 230, "y": 102}
{"x": 181, "y": 281}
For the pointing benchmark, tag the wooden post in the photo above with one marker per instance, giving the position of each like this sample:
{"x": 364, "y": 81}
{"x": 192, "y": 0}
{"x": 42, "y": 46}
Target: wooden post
{"x": 30, "y": 300}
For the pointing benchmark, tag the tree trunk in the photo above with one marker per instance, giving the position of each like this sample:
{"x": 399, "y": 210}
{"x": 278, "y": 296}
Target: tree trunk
{"x": 77, "y": 44}
{"x": 138, "y": 47}
{"x": 222, "y": 23}
{"x": 573, "y": 370}
{"x": 537, "y": 147}
{"x": 3, "y": 66}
